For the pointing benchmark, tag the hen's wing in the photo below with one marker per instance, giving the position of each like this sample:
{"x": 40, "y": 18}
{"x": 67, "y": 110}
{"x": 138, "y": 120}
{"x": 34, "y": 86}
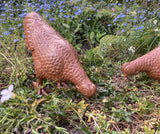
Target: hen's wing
{"x": 50, "y": 51}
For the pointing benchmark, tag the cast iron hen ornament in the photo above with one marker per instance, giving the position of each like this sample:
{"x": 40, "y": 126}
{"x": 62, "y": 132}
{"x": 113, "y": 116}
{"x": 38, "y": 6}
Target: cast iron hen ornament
{"x": 149, "y": 63}
{"x": 54, "y": 57}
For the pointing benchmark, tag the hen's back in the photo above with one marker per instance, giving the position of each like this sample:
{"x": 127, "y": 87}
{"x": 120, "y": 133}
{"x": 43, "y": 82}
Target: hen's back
{"x": 39, "y": 34}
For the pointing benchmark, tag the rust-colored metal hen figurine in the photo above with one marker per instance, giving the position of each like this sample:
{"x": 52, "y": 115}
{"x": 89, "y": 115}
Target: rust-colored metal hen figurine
{"x": 149, "y": 63}
{"x": 54, "y": 57}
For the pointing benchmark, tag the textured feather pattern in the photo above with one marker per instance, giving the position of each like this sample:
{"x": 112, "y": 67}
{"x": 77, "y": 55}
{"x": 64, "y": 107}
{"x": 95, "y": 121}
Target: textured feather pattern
{"x": 149, "y": 63}
{"x": 54, "y": 57}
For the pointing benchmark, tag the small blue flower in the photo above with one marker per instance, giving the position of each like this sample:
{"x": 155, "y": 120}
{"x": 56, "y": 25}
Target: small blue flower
{"x": 47, "y": 15}
{"x": 128, "y": 10}
{"x": 139, "y": 11}
{"x": 78, "y": 12}
{"x": 112, "y": 4}
{"x": 11, "y": 28}
{"x": 3, "y": 15}
{"x": 125, "y": 24}
{"x": 16, "y": 40}
{"x": 123, "y": 30}
{"x": 19, "y": 25}
{"x": 24, "y": 10}
{"x": 41, "y": 7}
{"x": 154, "y": 12}
{"x": 23, "y": 36}
{"x": 135, "y": 16}
{"x": 61, "y": 10}
{"x": 141, "y": 16}
{"x": 61, "y": 2}
{"x": 68, "y": 16}
{"x": 139, "y": 28}
{"x": 145, "y": 11}
{"x": 36, "y": 10}
{"x": 29, "y": 4}
{"x": 109, "y": 25}
{"x": 22, "y": 15}
{"x": 115, "y": 20}
{"x": 143, "y": 19}
{"x": 150, "y": 13}
{"x": 11, "y": 15}
{"x": 93, "y": 8}
{"x": 6, "y": 33}
{"x": 12, "y": 10}
{"x": 123, "y": 16}
{"x": 119, "y": 16}
{"x": 76, "y": 7}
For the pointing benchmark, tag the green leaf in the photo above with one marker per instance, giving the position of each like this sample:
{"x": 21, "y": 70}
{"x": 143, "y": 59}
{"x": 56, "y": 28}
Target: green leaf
{"x": 128, "y": 119}
{"x": 77, "y": 28}
{"x": 92, "y": 35}
{"x": 66, "y": 25}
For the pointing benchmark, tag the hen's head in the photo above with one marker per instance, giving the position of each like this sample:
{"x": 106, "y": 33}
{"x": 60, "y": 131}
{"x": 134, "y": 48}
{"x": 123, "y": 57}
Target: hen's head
{"x": 87, "y": 88}
{"x": 36, "y": 30}
{"x": 31, "y": 18}
{"x": 129, "y": 69}
{"x": 32, "y": 23}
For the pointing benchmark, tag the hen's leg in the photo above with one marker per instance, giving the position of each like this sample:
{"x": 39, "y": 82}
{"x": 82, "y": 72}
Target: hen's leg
{"x": 63, "y": 84}
{"x": 38, "y": 84}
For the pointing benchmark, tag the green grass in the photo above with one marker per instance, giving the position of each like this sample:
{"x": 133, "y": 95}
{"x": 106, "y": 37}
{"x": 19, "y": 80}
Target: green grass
{"x": 120, "y": 105}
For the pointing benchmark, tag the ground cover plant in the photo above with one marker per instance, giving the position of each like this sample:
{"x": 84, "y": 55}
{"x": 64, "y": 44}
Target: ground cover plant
{"x": 105, "y": 34}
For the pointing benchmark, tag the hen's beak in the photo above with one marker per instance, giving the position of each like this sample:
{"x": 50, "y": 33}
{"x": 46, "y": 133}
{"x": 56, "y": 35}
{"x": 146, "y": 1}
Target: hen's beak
{"x": 125, "y": 75}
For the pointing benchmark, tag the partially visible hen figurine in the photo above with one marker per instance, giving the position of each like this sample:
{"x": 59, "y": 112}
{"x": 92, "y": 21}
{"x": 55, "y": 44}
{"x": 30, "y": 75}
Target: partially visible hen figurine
{"x": 149, "y": 63}
{"x": 54, "y": 57}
